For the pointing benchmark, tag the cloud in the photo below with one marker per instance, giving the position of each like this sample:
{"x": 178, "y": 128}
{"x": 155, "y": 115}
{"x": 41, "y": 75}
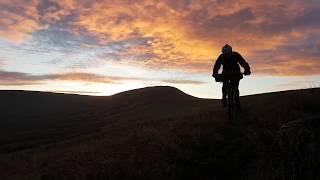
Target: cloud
{"x": 299, "y": 58}
{"x": 16, "y": 28}
{"x": 76, "y": 92}
{"x": 172, "y": 81}
{"x": 187, "y": 35}
{"x": 274, "y": 36}
{"x": 168, "y": 43}
{"x": 20, "y": 79}
{"x": 2, "y": 63}
{"x": 17, "y": 78}
{"x": 52, "y": 11}
{"x": 19, "y": 19}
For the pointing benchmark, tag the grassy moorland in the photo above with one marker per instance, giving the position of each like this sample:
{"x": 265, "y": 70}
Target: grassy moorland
{"x": 158, "y": 133}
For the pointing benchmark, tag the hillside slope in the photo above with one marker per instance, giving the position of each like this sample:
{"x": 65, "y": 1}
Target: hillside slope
{"x": 154, "y": 133}
{"x": 31, "y": 118}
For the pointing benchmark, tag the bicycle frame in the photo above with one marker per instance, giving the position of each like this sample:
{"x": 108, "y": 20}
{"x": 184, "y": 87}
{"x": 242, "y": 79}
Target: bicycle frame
{"x": 231, "y": 93}
{"x": 231, "y": 100}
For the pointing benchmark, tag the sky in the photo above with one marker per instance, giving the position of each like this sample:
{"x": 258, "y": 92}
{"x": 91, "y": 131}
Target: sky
{"x": 104, "y": 47}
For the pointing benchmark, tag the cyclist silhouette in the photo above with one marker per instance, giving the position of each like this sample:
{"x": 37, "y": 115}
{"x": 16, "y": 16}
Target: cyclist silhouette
{"x": 230, "y": 61}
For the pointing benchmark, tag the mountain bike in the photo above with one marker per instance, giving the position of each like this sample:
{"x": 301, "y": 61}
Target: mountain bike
{"x": 231, "y": 94}
{"x": 231, "y": 101}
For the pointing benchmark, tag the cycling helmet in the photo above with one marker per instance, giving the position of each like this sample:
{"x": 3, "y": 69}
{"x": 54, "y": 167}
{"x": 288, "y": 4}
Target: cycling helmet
{"x": 226, "y": 49}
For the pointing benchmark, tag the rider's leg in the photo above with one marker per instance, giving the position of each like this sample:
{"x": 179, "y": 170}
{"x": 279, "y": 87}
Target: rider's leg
{"x": 224, "y": 93}
{"x": 235, "y": 84}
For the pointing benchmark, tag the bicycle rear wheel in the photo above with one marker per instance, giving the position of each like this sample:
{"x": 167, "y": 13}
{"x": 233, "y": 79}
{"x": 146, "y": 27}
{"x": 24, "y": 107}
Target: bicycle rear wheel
{"x": 232, "y": 111}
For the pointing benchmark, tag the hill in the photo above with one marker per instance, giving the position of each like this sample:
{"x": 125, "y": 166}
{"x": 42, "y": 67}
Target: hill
{"x": 157, "y": 133}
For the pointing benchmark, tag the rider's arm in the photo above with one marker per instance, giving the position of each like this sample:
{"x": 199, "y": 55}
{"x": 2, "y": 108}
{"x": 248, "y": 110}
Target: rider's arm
{"x": 217, "y": 66}
{"x": 242, "y": 62}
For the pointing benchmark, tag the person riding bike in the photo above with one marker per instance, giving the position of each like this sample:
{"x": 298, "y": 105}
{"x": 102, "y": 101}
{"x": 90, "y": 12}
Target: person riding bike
{"x": 231, "y": 71}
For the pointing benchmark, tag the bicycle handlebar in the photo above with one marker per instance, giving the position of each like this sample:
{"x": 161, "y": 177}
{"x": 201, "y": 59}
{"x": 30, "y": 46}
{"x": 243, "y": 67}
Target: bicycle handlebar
{"x": 224, "y": 75}
{"x": 231, "y": 73}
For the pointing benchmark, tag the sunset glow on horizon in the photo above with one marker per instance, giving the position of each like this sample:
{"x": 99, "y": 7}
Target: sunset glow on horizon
{"x": 106, "y": 47}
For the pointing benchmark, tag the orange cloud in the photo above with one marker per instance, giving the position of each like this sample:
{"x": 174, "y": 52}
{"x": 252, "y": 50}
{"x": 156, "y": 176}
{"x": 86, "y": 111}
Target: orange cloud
{"x": 169, "y": 40}
{"x": 19, "y": 18}
{"x": 181, "y": 35}
{"x": 15, "y": 27}
{"x": 19, "y": 79}
{"x": 189, "y": 34}
{"x": 294, "y": 68}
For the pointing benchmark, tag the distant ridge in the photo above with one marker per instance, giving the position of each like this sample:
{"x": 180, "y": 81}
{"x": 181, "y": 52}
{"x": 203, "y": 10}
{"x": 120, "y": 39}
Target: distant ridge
{"x": 155, "y": 92}
{"x": 285, "y": 91}
{"x": 150, "y": 90}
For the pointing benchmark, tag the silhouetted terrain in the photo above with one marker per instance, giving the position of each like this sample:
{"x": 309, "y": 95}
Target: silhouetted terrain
{"x": 158, "y": 133}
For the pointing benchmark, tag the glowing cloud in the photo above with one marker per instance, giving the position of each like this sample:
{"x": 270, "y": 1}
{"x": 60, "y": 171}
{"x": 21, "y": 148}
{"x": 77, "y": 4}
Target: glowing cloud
{"x": 188, "y": 35}
{"x": 18, "y": 78}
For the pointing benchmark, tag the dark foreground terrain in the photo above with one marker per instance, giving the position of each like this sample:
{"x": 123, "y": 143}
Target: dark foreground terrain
{"x": 158, "y": 133}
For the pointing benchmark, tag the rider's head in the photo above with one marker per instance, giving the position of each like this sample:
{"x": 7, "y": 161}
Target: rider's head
{"x": 226, "y": 49}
